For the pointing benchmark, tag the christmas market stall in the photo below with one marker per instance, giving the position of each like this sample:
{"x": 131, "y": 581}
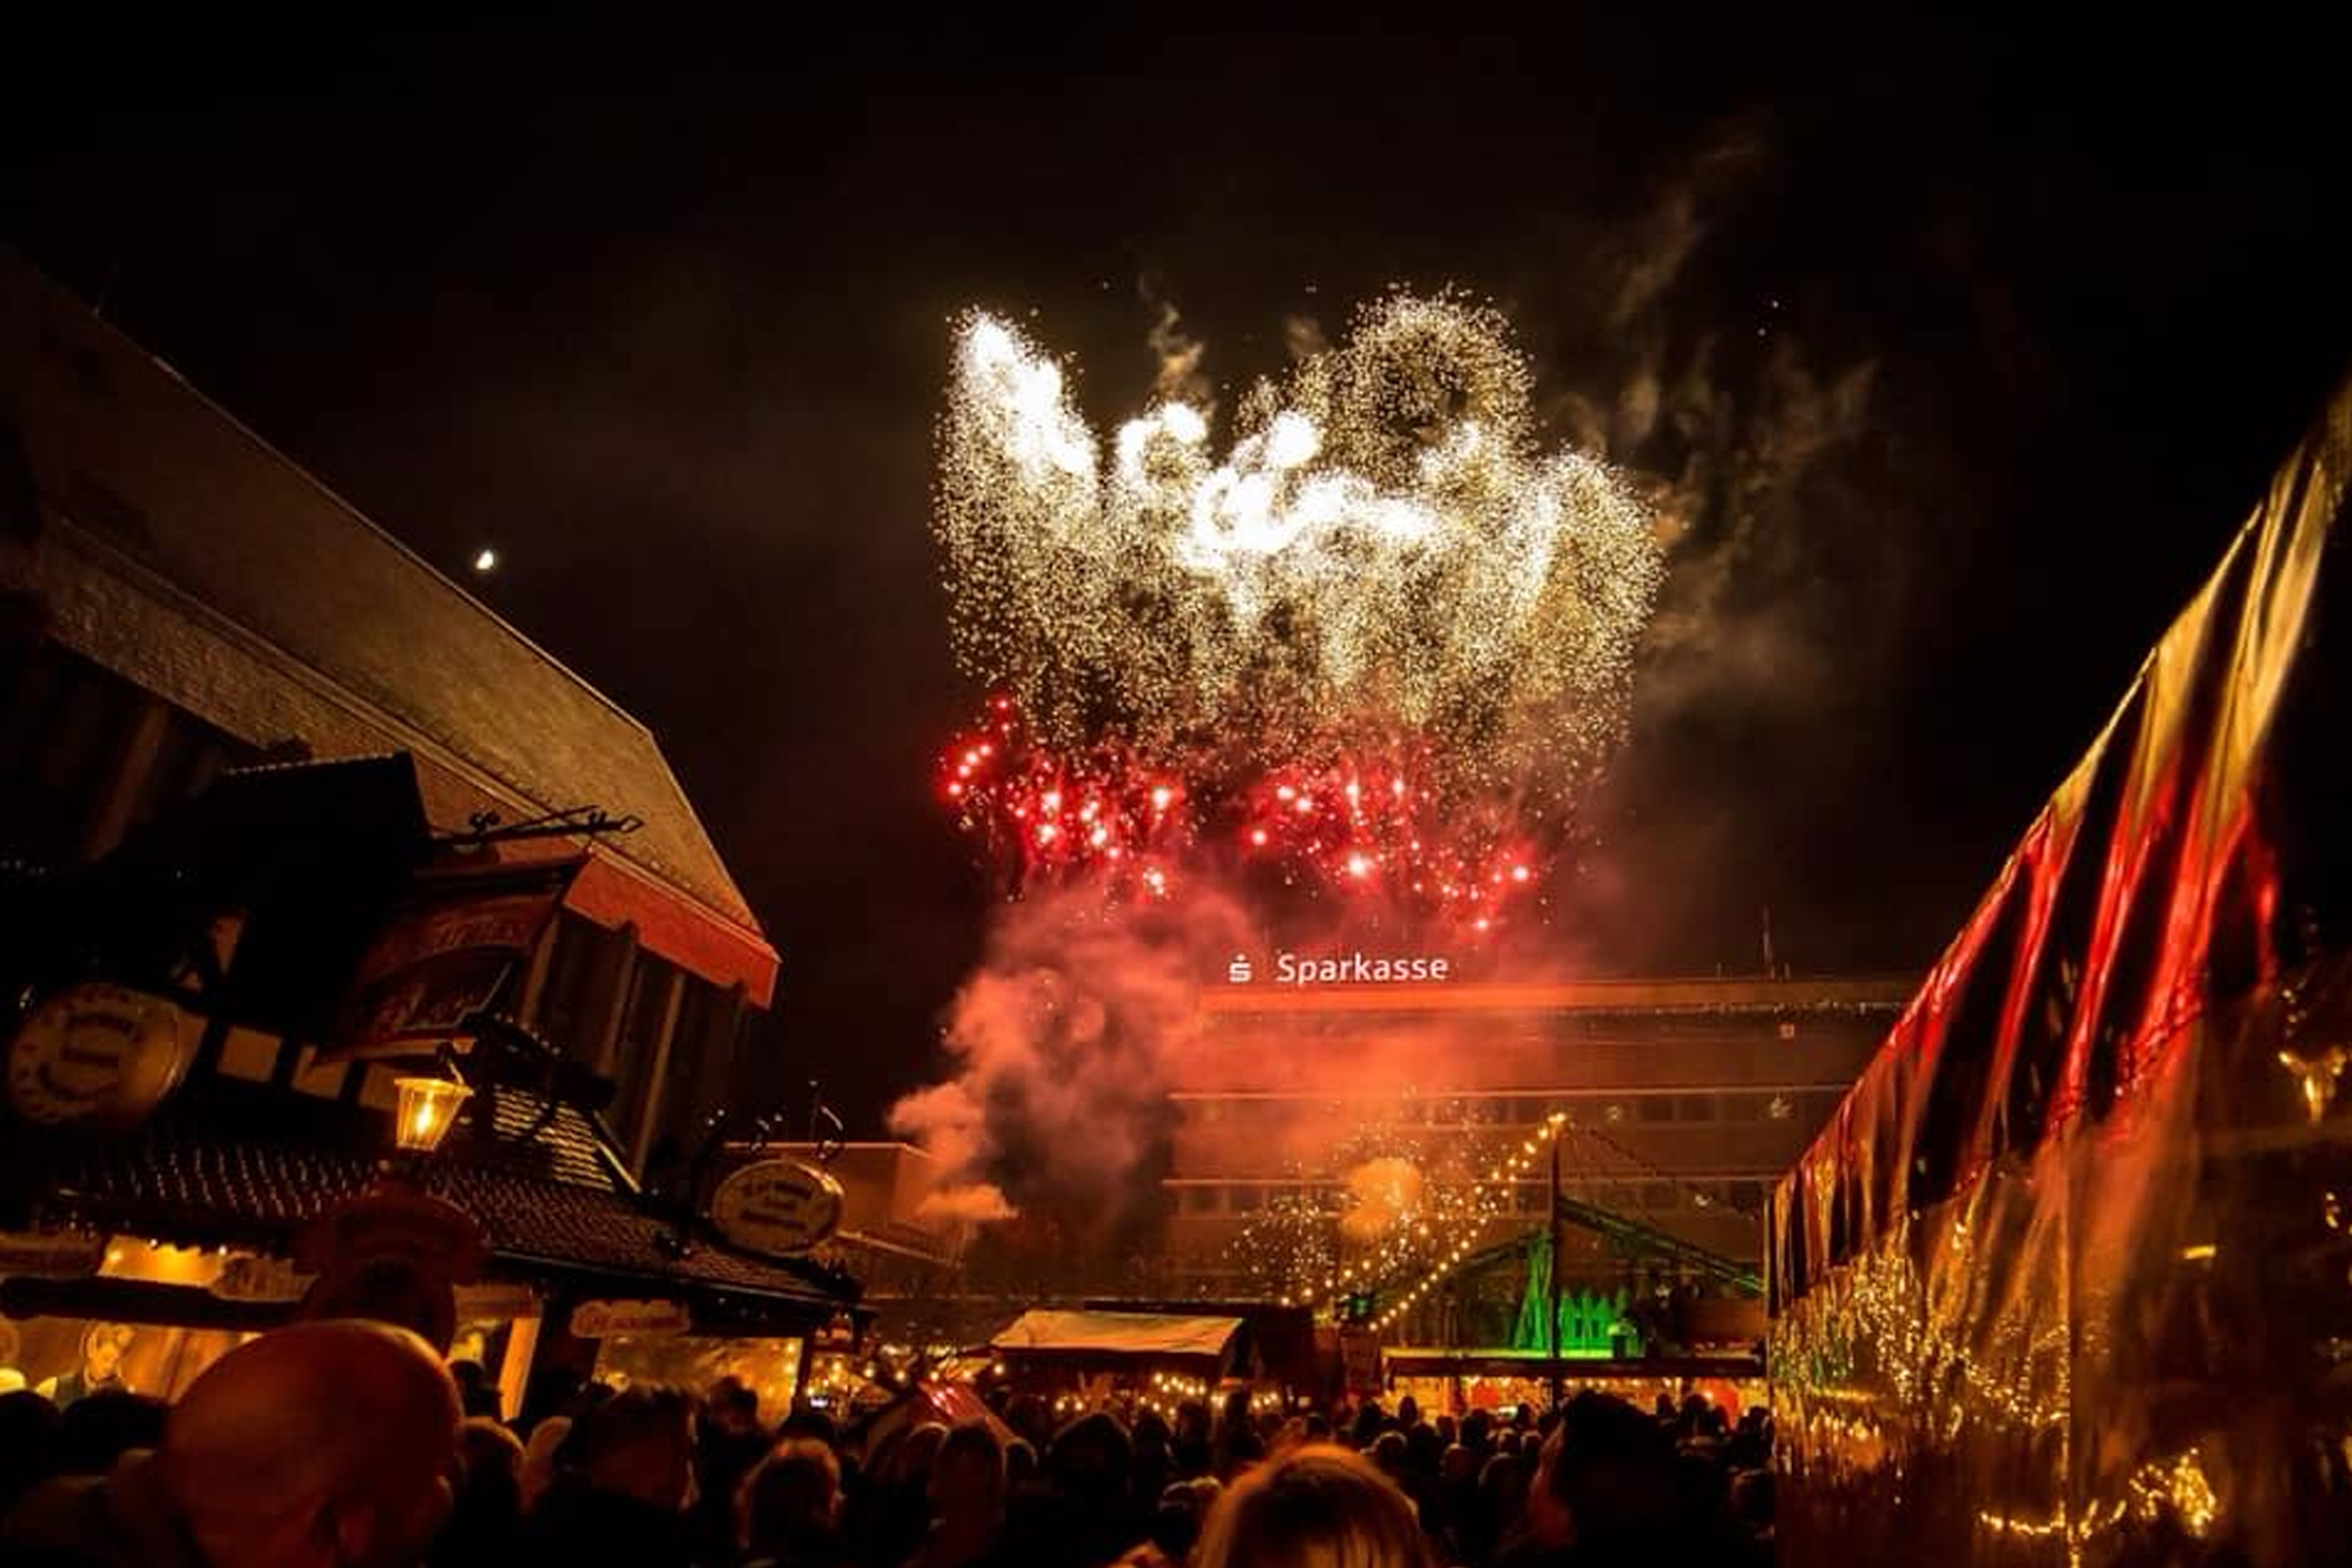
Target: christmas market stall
{"x": 2064, "y": 1280}
{"x": 259, "y": 1068}
{"x": 1085, "y": 1360}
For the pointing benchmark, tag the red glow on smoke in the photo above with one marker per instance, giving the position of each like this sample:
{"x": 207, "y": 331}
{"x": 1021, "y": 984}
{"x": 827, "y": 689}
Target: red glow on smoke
{"x": 1363, "y": 826}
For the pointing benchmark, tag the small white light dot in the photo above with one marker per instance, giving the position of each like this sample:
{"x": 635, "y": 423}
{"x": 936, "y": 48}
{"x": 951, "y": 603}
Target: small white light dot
{"x": 486, "y": 560}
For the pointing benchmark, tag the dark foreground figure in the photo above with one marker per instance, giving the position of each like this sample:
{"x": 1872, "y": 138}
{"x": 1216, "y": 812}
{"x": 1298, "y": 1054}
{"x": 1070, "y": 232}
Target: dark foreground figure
{"x": 347, "y": 1445}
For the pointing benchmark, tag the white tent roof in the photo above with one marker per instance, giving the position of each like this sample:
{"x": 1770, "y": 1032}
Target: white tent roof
{"x": 1116, "y": 1333}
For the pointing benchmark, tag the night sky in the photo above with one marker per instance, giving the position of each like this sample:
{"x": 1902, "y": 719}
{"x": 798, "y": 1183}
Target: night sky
{"x": 1968, "y": 349}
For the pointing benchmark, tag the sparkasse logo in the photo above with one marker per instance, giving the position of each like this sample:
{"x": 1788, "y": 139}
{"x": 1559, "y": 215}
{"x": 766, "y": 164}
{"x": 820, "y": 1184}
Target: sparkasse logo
{"x": 1353, "y": 968}
{"x": 1359, "y": 968}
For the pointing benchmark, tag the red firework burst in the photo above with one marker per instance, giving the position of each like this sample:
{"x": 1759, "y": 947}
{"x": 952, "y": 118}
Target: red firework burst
{"x": 1370, "y": 827}
{"x": 1102, "y": 812}
{"x": 1366, "y": 827}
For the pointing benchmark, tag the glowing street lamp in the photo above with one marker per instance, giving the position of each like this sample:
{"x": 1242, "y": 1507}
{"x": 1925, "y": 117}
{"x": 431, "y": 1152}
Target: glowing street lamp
{"x": 428, "y": 1108}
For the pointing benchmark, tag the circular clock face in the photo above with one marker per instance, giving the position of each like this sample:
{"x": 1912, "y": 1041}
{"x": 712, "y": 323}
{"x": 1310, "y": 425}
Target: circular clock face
{"x": 96, "y": 1053}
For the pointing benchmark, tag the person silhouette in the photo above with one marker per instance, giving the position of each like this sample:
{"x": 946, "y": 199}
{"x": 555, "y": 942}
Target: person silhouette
{"x": 103, "y": 1347}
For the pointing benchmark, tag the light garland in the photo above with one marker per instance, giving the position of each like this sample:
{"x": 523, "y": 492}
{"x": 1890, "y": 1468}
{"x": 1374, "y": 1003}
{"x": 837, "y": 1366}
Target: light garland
{"x": 1510, "y": 1171}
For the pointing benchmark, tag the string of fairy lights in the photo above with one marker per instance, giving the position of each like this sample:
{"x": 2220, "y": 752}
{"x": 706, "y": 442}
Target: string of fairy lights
{"x": 1406, "y": 1245}
{"x": 1403, "y": 1184}
{"x": 1510, "y": 1169}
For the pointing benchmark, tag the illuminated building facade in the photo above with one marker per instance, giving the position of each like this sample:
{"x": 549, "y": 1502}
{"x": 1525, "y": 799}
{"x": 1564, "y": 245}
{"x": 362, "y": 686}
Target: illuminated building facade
{"x": 1685, "y": 1100}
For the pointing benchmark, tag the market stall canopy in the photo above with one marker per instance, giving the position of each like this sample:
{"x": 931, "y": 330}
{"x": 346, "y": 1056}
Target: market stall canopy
{"x": 1110, "y": 1337}
{"x": 2085, "y": 1201}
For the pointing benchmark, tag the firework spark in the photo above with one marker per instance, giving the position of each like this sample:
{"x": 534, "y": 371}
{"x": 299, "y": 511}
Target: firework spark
{"x": 1383, "y": 541}
{"x": 1370, "y": 825}
{"x": 1389, "y": 1199}
{"x": 1382, "y": 643}
{"x": 1101, "y": 811}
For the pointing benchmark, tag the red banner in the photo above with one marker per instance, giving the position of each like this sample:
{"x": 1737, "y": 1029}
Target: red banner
{"x": 447, "y": 948}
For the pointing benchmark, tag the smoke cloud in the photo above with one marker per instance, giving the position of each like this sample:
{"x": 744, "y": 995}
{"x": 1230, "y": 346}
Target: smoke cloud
{"x": 1179, "y": 354}
{"x": 1744, "y": 424}
{"x": 1057, "y": 1121}
{"x": 974, "y": 1203}
{"x": 1061, "y": 1048}
{"x": 1303, "y": 337}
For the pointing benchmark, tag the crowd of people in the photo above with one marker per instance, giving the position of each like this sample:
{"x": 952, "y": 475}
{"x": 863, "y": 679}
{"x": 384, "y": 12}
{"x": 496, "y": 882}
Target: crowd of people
{"x": 347, "y": 1445}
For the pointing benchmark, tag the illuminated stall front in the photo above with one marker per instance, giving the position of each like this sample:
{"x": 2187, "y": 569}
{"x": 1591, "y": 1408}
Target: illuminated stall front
{"x": 506, "y": 883}
{"x": 182, "y": 1167}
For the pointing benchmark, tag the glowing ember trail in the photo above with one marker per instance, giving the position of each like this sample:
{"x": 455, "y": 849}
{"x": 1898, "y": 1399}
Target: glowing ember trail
{"x": 1380, "y": 646}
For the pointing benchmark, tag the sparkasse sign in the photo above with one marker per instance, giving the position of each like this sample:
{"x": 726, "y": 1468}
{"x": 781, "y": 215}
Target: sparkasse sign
{"x": 1356, "y": 967}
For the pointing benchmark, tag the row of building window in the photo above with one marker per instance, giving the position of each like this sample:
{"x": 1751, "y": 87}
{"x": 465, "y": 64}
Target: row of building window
{"x": 1806, "y": 1107}
{"x": 1528, "y": 1200}
{"x": 659, "y": 1052}
{"x": 1869, "y": 1021}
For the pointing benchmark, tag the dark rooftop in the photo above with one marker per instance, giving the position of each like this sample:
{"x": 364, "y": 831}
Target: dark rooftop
{"x": 172, "y": 496}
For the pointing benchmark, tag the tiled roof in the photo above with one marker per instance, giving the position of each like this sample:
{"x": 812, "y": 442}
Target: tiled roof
{"x": 206, "y": 1177}
{"x": 141, "y": 461}
{"x": 568, "y": 1142}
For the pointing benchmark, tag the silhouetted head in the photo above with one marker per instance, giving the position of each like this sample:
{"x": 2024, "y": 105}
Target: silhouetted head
{"x": 1091, "y": 1458}
{"x": 1613, "y": 1469}
{"x": 28, "y": 1427}
{"x": 99, "y": 1428}
{"x": 968, "y": 1476}
{"x": 1317, "y": 1508}
{"x": 791, "y": 1495}
{"x": 732, "y": 1406}
{"x": 638, "y": 1444}
{"x": 272, "y": 1463}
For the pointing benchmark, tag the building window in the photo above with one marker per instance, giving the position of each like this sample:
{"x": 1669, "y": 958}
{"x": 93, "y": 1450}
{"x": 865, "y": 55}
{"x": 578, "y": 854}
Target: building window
{"x": 568, "y": 1013}
{"x": 701, "y": 1057}
{"x": 652, "y": 984}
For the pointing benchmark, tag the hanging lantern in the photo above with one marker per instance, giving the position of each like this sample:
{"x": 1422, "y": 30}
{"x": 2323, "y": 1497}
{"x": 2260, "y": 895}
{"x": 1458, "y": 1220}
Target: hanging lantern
{"x": 428, "y": 1108}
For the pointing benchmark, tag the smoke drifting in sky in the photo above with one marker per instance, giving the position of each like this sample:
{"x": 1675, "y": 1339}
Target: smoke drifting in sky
{"x": 1061, "y": 1046}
